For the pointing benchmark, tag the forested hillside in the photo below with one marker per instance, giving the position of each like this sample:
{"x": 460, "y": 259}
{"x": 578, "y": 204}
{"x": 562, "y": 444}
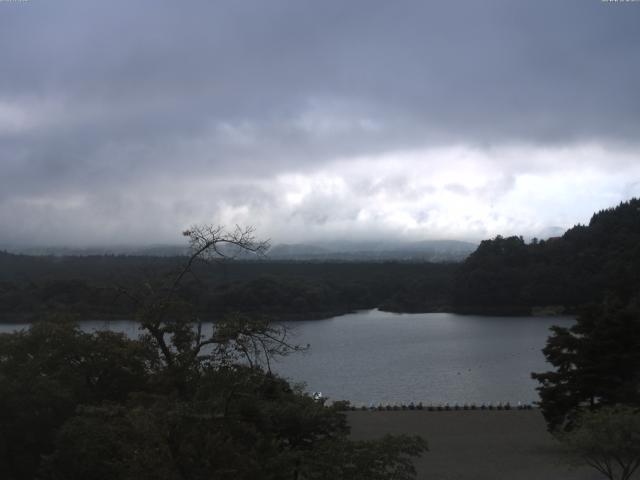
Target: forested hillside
{"x": 507, "y": 275}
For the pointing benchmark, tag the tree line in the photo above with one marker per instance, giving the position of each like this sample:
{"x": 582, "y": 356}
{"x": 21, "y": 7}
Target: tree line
{"x": 585, "y": 265}
{"x": 87, "y": 286}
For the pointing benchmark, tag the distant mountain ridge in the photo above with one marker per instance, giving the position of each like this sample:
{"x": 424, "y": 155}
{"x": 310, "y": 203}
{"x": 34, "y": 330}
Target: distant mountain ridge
{"x": 129, "y": 250}
{"x": 424, "y": 251}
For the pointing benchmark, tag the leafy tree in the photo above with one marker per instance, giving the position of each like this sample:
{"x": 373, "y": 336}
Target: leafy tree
{"x": 597, "y": 363}
{"x": 389, "y": 457}
{"x": 608, "y": 440}
{"x": 177, "y": 403}
{"x": 46, "y": 372}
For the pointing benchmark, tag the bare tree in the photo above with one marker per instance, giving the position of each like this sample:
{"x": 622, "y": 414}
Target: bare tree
{"x": 174, "y": 326}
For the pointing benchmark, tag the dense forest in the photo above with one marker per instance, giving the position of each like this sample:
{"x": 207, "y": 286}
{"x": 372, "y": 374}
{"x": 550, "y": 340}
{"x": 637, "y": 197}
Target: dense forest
{"x": 585, "y": 265}
{"x": 503, "y": 276}
{"x": 96, "y": 286}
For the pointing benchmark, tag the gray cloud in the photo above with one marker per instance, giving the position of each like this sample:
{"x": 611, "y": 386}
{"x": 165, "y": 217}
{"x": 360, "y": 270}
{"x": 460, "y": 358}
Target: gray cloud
{"x": 113, "y": 111}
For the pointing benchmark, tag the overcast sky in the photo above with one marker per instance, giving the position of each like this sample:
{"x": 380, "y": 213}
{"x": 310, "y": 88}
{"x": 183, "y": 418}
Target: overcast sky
{"x": 127, "y": 121}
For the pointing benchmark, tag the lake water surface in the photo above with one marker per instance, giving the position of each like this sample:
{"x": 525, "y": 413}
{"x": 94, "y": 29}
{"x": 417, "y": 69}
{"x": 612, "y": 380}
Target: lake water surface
{"x": 380, "y": 357}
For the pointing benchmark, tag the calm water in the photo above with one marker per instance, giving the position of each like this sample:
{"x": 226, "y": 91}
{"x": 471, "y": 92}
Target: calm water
{"x": 382, "y": 357}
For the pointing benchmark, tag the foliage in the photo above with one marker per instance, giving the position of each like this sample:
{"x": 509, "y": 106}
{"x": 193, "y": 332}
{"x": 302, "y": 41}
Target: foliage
{"x": 390, "y": 457}
{"x": 608, "y": 439}
{"x": 177, "y": 403}
{"x": 46, "y": 372}
{"x": 597, "y": 362}
{"x": 587, "y": 263}
{"x": 34, "y": 286}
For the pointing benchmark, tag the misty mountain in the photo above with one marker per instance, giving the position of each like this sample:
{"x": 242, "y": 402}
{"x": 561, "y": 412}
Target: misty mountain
{"x": 129, "y": 250}
{"x": 346, "y": 251}
{"x": 297, "y": 251}
{"x": 424, "y": 251}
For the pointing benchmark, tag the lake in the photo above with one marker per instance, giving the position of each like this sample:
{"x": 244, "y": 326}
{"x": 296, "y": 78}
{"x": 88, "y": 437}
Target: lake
{"x": 381, "y": 357}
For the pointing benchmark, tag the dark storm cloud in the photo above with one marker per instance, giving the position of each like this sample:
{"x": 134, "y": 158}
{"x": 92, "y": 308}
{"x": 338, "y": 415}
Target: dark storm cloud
{"x": 109, "y": 99}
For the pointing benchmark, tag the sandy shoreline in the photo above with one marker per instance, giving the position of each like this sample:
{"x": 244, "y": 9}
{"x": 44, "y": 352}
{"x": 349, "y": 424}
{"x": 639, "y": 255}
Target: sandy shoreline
{"x": 477, "y": 445}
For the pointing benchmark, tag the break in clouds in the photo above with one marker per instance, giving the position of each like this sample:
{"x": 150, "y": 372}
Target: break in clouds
{"x": 124, "y": 122}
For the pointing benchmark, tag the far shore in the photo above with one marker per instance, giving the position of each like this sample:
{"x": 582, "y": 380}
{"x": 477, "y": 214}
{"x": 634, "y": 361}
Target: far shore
{"x": 477, "y": 445}
{"x": 29, "y": 318}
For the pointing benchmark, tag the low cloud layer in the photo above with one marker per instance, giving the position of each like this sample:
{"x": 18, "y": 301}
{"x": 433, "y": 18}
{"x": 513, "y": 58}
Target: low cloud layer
{"x": 124, "y": 122}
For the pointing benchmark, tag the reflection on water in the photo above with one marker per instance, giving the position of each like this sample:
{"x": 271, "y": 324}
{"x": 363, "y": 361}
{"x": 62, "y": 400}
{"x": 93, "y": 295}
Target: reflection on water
{"x": 382, "y": 357}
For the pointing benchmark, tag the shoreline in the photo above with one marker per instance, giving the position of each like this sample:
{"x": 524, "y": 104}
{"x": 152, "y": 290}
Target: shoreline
{"x": 28, "y": 318}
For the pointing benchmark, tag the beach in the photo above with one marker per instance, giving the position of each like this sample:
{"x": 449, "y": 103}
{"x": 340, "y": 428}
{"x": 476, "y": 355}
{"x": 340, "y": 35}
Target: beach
{"x": 477, "y": 445}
